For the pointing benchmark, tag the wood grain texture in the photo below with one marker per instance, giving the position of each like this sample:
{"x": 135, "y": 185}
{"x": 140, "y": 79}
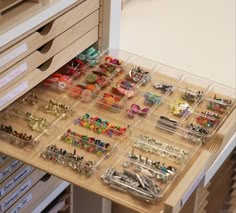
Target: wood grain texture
{"x": 50, "y": 31}
{"x": 55, "y": 63}
{"x": 53, "y": 47}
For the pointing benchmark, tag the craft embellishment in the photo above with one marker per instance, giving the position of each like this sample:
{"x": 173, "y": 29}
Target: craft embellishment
{"x": 100, "y": 126}
{"x": 218, "y": 104}
{"x": 71, "y": 160}
{"x": 90, "y": 144}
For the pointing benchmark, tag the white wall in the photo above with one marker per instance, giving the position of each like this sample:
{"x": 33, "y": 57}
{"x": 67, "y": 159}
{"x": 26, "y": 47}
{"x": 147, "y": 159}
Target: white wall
{"x": 197, "y": 36}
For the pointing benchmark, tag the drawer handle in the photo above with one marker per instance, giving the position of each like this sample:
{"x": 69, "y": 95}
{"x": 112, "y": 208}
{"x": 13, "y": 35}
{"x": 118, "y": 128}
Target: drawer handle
{"x": 43, "y": 67}
{"x": 45, "y": 48}
{"x": 45, "y": 178}
{"x": 46, "y": 29}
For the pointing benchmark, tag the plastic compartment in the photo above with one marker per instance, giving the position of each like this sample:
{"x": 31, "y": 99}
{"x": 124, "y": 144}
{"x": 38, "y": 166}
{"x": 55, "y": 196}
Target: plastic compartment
{"x": 50, "y": 107}
{"x": 130, "y": 182}
{"x": 71, "y": 158}
{"x": 137, "y": 71}
{"x": 144, "y": 175}
{"x": 92, "y": 145}
{"x": 220, "y": 99}
{"x": 147, "y": 134}
{"x": 141, "y": 105}
{"x": 92, "y": 122}
{"x": 110, "y": 63}
{"x": 210, "y": 113}
{"x": 176, "y": 112}
{"x": 163, "y": 80}
{"x": 16, "y": 130}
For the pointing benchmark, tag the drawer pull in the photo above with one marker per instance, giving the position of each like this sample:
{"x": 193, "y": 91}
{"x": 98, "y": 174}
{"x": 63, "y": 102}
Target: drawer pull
{"x": 46, "y": 29}
{"x": 45, "y": 65}
{"x": 45, "y": 48}
{"x": 45, "y": 178}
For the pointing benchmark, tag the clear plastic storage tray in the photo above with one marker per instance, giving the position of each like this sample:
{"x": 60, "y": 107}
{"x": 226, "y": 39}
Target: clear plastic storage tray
{"x": 142, "y": 112}
{"x": 23, "y": 131}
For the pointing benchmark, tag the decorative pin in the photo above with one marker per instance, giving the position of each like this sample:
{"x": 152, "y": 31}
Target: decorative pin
{"x": 180, "y": 108}
{"x": 218, "y": 104}
{"x": 163, "y": 87}
{"x": 191, "y": 95}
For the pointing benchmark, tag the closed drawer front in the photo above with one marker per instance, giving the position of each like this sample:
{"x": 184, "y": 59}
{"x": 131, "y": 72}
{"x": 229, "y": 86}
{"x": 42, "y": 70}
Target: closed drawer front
{"x": 12, "y": 181}
{"x": 4, "y": 159}
{"x": 14, "y": 195}
{"x": 9, "y": 168}
{"x": 36, "y": 195}
{"x": 50, "y": 66}
{"x": 48, "y": 50}
{"x": 51, "y": 30}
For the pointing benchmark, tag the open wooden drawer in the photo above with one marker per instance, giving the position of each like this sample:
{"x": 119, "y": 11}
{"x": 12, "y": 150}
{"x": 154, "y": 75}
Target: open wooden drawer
{"x": 176, "y": 194}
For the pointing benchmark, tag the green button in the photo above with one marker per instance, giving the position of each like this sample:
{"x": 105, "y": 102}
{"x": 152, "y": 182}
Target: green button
{"x": 91, "y": 78}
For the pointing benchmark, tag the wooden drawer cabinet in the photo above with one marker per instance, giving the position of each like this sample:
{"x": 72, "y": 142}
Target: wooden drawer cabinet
{"x": 40, "y": 54}
{"x": 34, "y": 77}
{"x": 14, "y": 179}
{"x": 47, "y": 51}
{"x": 16, "y": 193}
{"x": 9, "y": 168}
{"x": 36, "y": 195}
{"x": 26, "y": 63}
{"x": 46, "y": 33}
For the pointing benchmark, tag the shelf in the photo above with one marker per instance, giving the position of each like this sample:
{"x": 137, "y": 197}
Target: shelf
{"x": 5, "y": 5}
{"x": 220, "y": 159}
{"x": 51, "y": 197}
{"x": 26, "y": 26}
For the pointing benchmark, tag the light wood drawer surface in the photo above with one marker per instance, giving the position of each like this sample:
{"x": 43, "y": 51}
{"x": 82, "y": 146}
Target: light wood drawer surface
{"x": 21, "y": 189}
{"x": 37, "y": 75}
{"x": 36, "y": 195}
{"x": 47, "y": 51}
{"x": 31, "y": 43}
{"x": 12, "y": 181}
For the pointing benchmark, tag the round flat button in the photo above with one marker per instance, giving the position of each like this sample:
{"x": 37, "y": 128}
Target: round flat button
{"x": 86, "y": 95}
{"x": 91, "y": 78}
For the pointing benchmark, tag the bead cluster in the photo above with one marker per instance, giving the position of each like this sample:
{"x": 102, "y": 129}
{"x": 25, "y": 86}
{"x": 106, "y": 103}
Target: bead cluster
{"x": 90, "y": 144}
{"x": 30, "y": 99}
{"x": 100, "y": 126}
{"x": 36, "y": 123}
{"x": 196, "y": 132}
{"x": 56, "y": 108}
{"x": 75, "y": 162}
{"x": 10, "y": 131}
{"x": 208, "y": 119}
{"x": 219, "y": 104}
{"x": 150, "y": 145}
